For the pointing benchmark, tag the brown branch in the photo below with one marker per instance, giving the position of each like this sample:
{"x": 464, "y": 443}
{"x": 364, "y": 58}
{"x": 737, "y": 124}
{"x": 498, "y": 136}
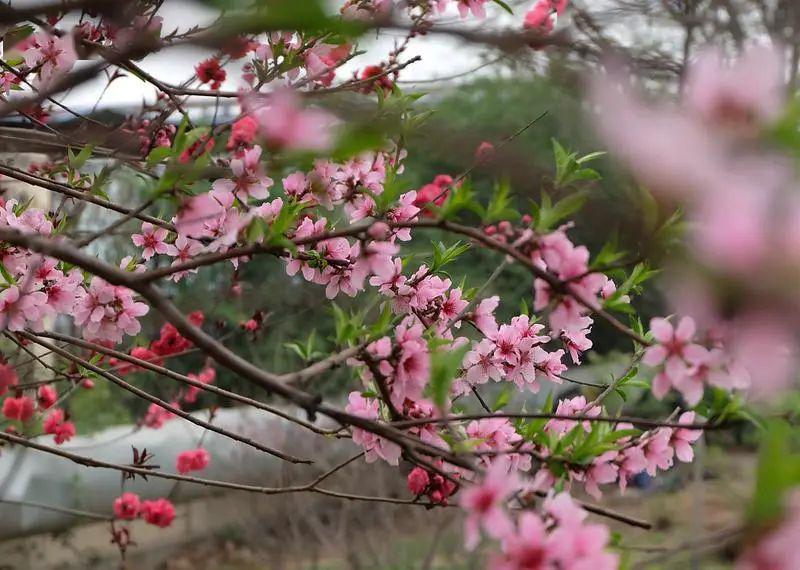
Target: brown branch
{"x": 182, "y": 378}
{"x": 78, "y": 194}
{"x": 643, "y": 422}
{"x": 161, "y": 403}
{"x": 97, "y": 463}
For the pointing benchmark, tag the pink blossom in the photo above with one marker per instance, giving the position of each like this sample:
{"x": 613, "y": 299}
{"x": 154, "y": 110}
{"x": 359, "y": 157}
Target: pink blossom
{"x": 151, "y": 239}
{"x": 184, "y": 249}
{"x": 243, "y": 133}
{"x": 549, "y": 363}
{"x": 249, "y": 179}
{"x": 418, "y": 480}
{"x": 749, "y": 91}
{"x": 483, "y": 316}
{"x": 658, "y": 452}
{"x": 603, "y": 470}
{"x": 52, "y": 55}
{"x": 192, "y": 460}
{"x": 210, "y": 71}
{"x": 159, "y": 512}
{"x": 484, "y": 152}
{"x": 126, "y": 506}
{"x": 481, "y": 363}
{"x": 56, "y": 424}
{"x": 285, "y": 124}
{"x": 540, "y": 17}
{"x": 8, "y": 377}
{"x": 413, "y": 364}
{"x": 682, "y": 438}
{"x": 777, "y": 549}
{"x": 19, "y": 310}
{"x": 498, "y": 434}
{"x": 475, "y": 6}
{"x": 577, "y": 341}
{"x": 484, "y": 503}
{"x": 573, "y": 407}
{"x": 373, "y": 445}
{"x": 46, "y": 396}
{"x": 20, "y": 409}
{"x": 157, "y": 416}
{"x": 527, "y": 548}
{"x": 108, "y": 312}
{"x": 195, "y": 213}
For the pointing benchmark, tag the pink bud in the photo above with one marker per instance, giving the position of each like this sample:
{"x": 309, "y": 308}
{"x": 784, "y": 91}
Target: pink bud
{"x": 484, "y": 152}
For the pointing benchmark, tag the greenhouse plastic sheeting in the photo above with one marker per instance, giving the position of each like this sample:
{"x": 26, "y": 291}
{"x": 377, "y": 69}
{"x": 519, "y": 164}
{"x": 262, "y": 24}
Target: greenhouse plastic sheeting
{"x": 34, "y": 476}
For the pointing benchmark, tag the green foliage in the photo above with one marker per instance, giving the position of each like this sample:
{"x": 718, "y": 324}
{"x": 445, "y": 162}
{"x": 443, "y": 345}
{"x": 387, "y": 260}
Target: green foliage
{"x": 504, "y": 6}
{"x": 444, "y": 255}
{"x": 632, "y": 285}
{"x": 462, "y": 198}
{"x": 307, "y": 351}
{"x": 500, "y": 206}
{"x": 98, "y": 408}
{"x": 569, "y": 167}
{"x": 547, "y": 215}
{"x": 445, "y": 365}
{"x": 349, "y": 325}
{"x": 76, "y": 161}
{"x": 778, "y": 472}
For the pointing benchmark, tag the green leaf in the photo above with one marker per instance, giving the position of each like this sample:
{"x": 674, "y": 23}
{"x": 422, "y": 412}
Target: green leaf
{"x": 6, "y": 275}
{"x": 445, "y": 365}
{"x": 569, "y": 168}
{"x": 504, "y": 6}
{"x": 778, "y": 471}
{"x": 77, "y": 161}
{"x": 548, "y": 215}
{"x": 158, "y": 154}
{"x": 15, "y": 35}
{"x": 499, "y": 207}
{"x": 444, "y": 255}
{"x": 503, "y": 398}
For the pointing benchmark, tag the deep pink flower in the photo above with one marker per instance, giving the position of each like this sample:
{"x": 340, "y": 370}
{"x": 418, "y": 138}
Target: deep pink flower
{"x": 243, "y": 133}
{"x": 210, "y": 71}
{"x": 192, "y": 460}
{"x": 46, "y": 396}
{"x": 126, "y": 506}
{"x": 56, "y": 424}
{"x": 20, "y": 409}
{"x": 8, "y": 377}
{"x": 418, "y": 480}
{"x": 159, "y": 512}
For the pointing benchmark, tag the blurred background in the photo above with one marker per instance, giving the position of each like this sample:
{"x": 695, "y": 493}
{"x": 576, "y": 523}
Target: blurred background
{"x": 477, "y": 93}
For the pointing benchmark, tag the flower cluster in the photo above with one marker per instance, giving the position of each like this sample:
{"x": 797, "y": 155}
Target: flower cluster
{"x": 192, "y": 460}
{"x": 558, "y": 538}
{"x": 56, "y": 424}
{"x": 688, "y": 366}
{"x": 157, "y": 512}
{"x": 432, "y": 485}
{"x": 648, "y": 451}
